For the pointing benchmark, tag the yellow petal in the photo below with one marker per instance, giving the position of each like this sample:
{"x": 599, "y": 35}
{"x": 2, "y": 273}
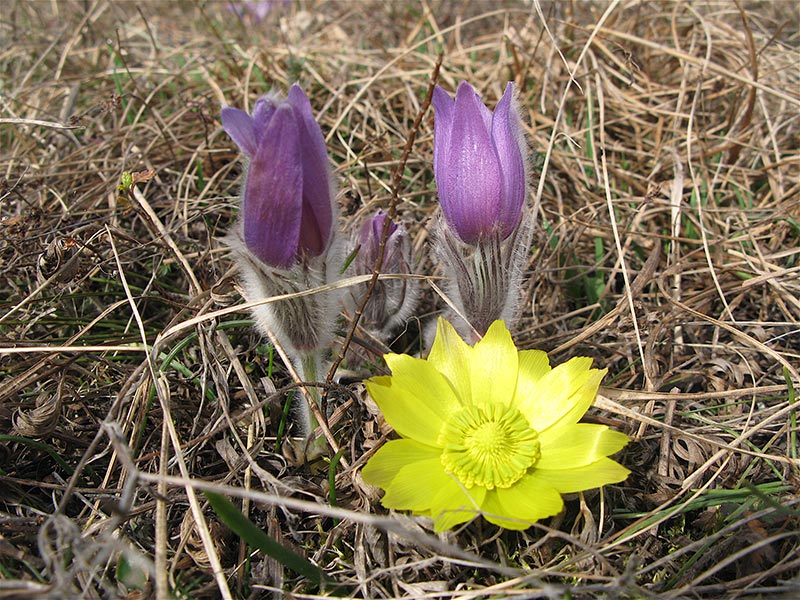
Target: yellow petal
{"x": 424, "y": 381}
{"x": 450, "y": 355}
{"x": 584, "y": 398}
{"x": 414, "y": 402}
{"x": 494, "y": 367}
{"x": 381, "y": 469}
{"x": 561, "y": 396}
{"x": 453, "y": 504}
{"x": 574, "y": 446}
{"x": 412, "y": 488}
{"x": 533, "y": 365}
{"x": 522, "y": 504}
{"x": 599, "y": 473}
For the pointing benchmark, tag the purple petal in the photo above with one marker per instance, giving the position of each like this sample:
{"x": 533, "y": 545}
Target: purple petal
{"x": 260, "y": 9}
{"x": 368, "y": 251}
{"x": 471, "y": 187}
{"x": 370, "y": 240}
{"x": 273, "y": 193}
{"x": 376, "y": 224}
{"x": 377, "y": 227}
{"x": 510, "y": 144}
{"x": 235, "y": 8}
{"x": 442, "y": 124}
{"x": 317, "y": 224}
{"x": 239, "y": 125}
{"x": 464, "y": 90}
{"x": 313, "y": 238}
{"x": 262, "y": 114}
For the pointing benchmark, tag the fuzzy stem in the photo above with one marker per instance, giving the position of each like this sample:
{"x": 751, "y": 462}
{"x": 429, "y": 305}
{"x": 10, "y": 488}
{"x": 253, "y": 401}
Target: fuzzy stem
{"x": 309, "y": 368}
{"x": 485, "y": 277}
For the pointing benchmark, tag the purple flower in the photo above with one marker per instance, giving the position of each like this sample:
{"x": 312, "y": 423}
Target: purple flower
{"x": 369, "y": 239}
{"x": 256, "y": 10}
{"x": 392, "y": 300}
{"x": 479, "y": 163}
{"x": 287, "y": 205}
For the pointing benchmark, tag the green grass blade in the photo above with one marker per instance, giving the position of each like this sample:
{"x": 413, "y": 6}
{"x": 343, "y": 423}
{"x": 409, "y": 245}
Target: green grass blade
{"x": 39, "y": 446}
{"x": 793, "y": 415}
{"x": 249, "y": 532}
{"x": 332, "y": 479}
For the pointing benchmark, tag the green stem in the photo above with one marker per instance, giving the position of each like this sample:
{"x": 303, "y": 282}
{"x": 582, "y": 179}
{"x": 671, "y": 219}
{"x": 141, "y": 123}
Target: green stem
{"x": 309, "y": 368}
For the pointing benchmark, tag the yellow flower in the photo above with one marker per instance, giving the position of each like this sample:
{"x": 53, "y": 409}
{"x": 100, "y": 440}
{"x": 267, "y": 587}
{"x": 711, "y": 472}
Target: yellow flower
{"x": 489, "y": 430}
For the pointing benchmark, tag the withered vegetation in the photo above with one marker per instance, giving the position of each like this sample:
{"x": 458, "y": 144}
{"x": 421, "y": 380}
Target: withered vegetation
{"x": 666, "y": 145}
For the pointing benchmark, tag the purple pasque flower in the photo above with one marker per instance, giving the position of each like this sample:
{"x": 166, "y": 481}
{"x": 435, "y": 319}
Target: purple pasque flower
{"x": 287, "y": 203}
{"x": 392, "y": 300}
{"x": 479, "y": 163}
{"x": 256, "y": 10}
{"x": 369, "y": 239}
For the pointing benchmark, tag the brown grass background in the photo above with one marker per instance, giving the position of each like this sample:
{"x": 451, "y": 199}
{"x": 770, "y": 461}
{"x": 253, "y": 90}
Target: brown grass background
{"x": 666, "y": 163}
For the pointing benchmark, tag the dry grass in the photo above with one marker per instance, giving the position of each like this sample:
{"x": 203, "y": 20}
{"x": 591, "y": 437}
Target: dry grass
{"x": 666, "y": 142}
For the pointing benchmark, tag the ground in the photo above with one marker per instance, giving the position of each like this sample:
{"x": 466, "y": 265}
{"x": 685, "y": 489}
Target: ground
{"x": 666, "y": 196}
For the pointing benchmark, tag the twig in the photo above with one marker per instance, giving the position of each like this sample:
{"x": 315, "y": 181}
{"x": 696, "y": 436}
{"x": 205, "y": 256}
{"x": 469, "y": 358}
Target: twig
{"x": 397, "y": 178}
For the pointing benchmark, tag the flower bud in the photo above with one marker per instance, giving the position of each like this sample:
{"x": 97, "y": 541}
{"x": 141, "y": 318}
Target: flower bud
{"x": 479, "y": 162}
{"x": 287, "y": 205}
{"x": 392, "y": 300}
{"x": 369, "y": 239}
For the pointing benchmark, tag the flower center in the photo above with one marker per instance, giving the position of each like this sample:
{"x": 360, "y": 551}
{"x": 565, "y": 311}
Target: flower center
{"x": 491, "y": 446}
